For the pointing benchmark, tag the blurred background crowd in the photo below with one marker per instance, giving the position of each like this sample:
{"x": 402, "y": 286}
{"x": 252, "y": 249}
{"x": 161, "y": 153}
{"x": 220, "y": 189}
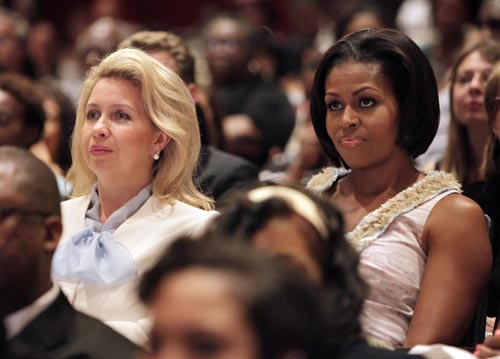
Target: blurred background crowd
{"x": 268, "y": 47}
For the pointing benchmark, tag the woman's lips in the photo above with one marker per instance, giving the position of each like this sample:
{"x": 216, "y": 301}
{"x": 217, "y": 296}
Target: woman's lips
{"x": 98, "y": 150}
{"x": 350, "y": 141}
{"x": 475, "y": 105}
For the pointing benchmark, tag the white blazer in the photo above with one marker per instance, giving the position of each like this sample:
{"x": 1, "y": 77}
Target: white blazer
{"x": 145, "y": 234}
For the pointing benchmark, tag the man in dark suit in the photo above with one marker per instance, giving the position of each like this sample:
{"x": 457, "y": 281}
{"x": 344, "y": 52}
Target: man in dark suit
{"x": 218, "y": 172}
{"x": 39, "y": 322}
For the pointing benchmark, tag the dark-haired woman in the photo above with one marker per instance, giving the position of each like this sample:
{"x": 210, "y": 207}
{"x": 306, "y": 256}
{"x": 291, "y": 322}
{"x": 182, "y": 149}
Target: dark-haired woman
{"x": 422, "y": 245}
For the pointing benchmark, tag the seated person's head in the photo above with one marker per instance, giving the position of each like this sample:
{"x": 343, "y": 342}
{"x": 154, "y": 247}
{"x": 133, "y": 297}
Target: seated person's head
{"x": 211, "y": 298}
{"x": 489, "y": 19}
{"x": 14, "y": 29}
{"x": 167, "y": 48}
{"x": 306, "y": 231}
{"x": 21, "y": 111}
{"x": 229, "y": 48}
{"x": 165, "y": 147}
{"x": 30, "y": 227}
{"x": 171, "y": 50}
{"x": 100, "y": 38}
{"x": 359, "y": 15}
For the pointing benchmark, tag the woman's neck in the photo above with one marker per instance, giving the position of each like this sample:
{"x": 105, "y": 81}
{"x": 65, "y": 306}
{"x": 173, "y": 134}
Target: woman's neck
{"x": 113, "y": 196}
{"x": 386, "y": 179}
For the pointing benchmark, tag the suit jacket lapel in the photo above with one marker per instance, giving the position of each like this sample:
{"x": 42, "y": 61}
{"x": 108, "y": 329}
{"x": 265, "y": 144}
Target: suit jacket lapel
{"x": 50, "y": 329}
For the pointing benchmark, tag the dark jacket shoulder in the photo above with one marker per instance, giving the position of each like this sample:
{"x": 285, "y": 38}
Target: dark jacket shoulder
{"x": 61, "y": 332}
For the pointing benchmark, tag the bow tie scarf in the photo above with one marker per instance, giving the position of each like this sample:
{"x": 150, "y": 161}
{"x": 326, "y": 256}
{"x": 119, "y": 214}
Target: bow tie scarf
{"x": 93, "y": 257}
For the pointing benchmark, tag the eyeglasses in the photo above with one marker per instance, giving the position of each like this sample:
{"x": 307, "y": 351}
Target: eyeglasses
{"x": 7, "y": 212}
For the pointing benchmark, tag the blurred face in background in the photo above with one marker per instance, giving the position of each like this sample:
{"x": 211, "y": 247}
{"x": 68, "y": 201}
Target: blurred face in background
{"x": 13, "y": 129}
{"x": 12, "y": 52}
{"x": 468, "y": 90}
{"x": 198, "y": 316}
{"x": 450, "y": 15}
{"x": 227, "y": 50}
{"x": 489, "y": 19}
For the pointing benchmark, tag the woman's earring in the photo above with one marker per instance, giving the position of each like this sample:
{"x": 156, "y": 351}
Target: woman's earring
{"x": 156, "y": 156}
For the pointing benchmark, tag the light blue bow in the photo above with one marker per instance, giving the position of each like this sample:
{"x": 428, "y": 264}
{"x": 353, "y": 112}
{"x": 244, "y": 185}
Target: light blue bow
{"x": 93, "y": 257}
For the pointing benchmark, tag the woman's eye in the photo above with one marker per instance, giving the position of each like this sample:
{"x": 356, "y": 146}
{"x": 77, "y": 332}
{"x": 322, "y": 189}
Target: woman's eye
{"x": 366, "y": 102}
{"x": 485, "y": 76}
{"x": 92, "y": 115}
{"x": 465, "y": 79}
{"x": 122, "y": 115}
{"x": 334, "y": 106}
{"x": 205, "y": 346}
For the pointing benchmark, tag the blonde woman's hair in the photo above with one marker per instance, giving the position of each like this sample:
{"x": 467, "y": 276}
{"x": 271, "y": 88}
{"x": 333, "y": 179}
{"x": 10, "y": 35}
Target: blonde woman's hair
{"x": 491, "y": 158}
{"x": 170, "y": 107}
{"x": 458, "y": 158}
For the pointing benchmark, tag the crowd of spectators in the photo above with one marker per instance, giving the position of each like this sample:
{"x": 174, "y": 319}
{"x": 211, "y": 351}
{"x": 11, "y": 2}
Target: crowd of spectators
{"x": 254, "y": 179}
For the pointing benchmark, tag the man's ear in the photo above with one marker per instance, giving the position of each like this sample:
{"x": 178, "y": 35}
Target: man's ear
{"x": 53, "y": 226}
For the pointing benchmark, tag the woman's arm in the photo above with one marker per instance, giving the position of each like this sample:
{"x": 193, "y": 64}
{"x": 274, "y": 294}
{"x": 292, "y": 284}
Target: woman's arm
{"x": 456, "y": 273}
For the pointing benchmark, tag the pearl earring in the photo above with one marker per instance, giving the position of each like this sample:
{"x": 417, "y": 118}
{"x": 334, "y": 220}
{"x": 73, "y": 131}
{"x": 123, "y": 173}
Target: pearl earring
{"x": 156, "y": 156}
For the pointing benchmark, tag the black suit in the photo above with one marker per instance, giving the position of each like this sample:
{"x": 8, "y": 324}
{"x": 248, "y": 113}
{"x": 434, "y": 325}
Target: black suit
{"x": 61, "y": 332}
{"x": 220, "y": 172}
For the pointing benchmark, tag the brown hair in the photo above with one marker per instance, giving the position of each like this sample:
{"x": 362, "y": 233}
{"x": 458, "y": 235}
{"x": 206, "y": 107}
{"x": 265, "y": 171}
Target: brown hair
{"x": 458, "y": 158}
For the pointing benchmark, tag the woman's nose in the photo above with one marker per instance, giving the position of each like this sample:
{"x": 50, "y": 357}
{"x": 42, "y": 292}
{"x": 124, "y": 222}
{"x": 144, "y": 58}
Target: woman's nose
{"x": 101, "y": 128}
{"x": 477, "y": 84}
{"x": 349, "y": 118}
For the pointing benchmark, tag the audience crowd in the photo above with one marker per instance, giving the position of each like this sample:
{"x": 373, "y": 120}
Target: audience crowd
{"x": 243, "y": 189}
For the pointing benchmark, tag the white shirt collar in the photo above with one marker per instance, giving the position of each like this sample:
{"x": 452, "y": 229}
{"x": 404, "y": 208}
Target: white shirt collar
{"x": 16, "y": 321}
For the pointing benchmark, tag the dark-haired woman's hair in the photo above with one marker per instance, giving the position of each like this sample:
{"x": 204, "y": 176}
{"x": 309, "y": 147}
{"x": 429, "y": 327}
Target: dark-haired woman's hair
{"x": 284, "y": 308}
{"x": 242, "y": 218}
{"x": 409, "y": 74}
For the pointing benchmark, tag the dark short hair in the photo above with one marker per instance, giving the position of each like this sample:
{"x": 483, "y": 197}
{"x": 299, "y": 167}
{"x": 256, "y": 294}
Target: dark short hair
{"x": 150, "y": 41}
{"x": 33, "y": 179}
{"x": 241, "y": 218}
{"x": 409, "y": 74}
{"x": 282, "y": 306}
{"x": 26, "y": 92}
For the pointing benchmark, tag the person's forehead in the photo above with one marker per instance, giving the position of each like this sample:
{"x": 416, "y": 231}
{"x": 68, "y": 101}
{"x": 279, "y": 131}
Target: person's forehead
{"x": 9, "y": 179}
{"x": 12, "y": 107}
{"x": 226, "y": 27}
{"x": 490, "y": 10}
{"x": 7, "y": 26}
{"x": 166, "y": 58}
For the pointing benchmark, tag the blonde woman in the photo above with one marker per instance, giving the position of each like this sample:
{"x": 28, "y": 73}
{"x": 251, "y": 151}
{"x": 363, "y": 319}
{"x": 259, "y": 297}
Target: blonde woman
{"x": 135, "y": 146}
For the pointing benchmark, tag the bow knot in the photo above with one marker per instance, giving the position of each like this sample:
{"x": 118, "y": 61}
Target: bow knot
{"x": 93, "y": 257}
